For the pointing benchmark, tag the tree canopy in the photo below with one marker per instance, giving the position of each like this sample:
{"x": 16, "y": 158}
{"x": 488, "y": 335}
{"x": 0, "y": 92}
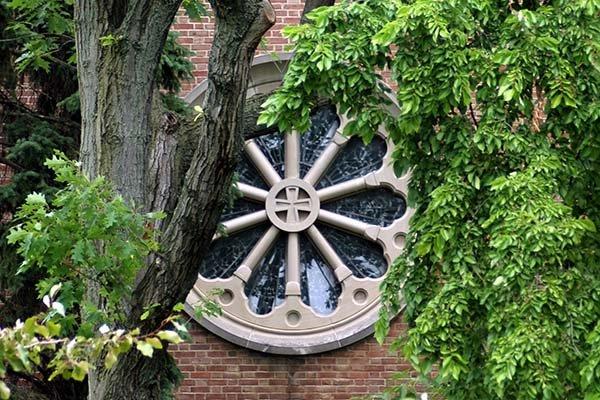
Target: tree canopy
{"x": 498, "y": 124}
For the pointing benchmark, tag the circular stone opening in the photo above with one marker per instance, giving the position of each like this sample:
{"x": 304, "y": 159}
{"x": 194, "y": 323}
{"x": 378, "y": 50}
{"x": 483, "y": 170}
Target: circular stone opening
{"x": 360, "y": 296}
{"x": 399, "y": 240}
{"x": 226, "y": 297}
{"x": 293, "y": 318}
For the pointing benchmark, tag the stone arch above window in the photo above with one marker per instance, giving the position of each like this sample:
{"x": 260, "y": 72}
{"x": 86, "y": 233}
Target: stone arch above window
{"x": 320, "y": 219}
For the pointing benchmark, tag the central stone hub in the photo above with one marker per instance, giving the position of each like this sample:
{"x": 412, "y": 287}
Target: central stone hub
{"x": 292, "y": 205}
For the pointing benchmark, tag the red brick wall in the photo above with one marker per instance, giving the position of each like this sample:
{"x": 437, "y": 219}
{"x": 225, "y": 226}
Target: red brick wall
{"x": 198, "y": 36}
{"x": 215, "y": 369}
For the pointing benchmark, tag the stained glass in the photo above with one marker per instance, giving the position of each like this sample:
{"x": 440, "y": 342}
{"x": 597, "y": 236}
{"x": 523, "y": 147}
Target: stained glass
{"x": 266, "y": 287}
{"x": 354, "y": 161}
{"x": 319, "y": 287}
{"x": 324, "y": 123}
{"x": 226, "y": 254}
{"x": 376, "y": 207}
{"x": 241, "y": 207}
{"x": 365, "y": 259}
{"x": 247, "y": 173}
{"x": 272, "y": 146}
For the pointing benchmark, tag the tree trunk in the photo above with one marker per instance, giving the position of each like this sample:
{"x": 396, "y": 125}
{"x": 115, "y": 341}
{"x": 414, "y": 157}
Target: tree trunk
{"x": 119, "y": 44}
{"x": 116, "y": 87}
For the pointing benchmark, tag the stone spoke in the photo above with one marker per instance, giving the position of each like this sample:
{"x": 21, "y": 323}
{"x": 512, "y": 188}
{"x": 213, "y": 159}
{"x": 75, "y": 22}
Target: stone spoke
{"x": 257, "y": 253}
{"x": 244, "y": 222}
{"x": 348, "y": 224}
{"x": 345, "y": 188}
{"x": 292, "y": 155}
{"x": 261, "y": 162}
{"x": 313, "y": 176}
{"x": 333, "y": 259}
{"x": 252, "y": 192}
{"x": 292, "y": 287}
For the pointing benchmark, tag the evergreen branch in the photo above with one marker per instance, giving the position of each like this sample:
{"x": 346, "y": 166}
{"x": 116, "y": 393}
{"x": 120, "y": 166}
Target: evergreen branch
{"x": 13, "y": 165}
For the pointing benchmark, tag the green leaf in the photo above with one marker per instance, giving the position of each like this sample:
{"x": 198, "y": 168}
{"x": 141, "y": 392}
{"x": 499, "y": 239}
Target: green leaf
{"x": 59, "y": 307}
{"x": 4, "y": 391}
{"x": 145, "y": 348}
{"x": 36, "y": 199}
{"x": 154, "y": 342}
{"x": 145, "y": 315}
{"x": 194, "y": 9}
{"x": 80, "y": 371}
{"x": 499, "y": 281}
{"x": 110, "y": 359}
{"x": 170, "y": 336}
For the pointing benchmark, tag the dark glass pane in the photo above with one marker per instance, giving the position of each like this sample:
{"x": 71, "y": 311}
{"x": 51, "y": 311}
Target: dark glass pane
{"x": 240, "y": 208}
{"x": 272, "y": 146}
{"x": 355, "y": 160}
{"x": 226, "y": 254}
{"x": 319, "y": 286}
{"x": 247, "y": 173}
{"x": 266, "y": 287}
{"x": 364, "y": 258}
{"x": 324, "y": 123}
{"x": 377, "y": 206}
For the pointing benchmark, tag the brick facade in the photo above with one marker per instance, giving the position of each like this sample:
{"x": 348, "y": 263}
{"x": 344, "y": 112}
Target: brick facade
{"x": 216, "y": 369}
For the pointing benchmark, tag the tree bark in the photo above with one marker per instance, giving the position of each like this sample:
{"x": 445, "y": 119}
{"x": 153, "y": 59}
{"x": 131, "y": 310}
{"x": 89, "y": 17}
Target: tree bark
{"x": 239, "y": 27}
{"x": 119, "y": 44}
{"x": 116, "y": 88}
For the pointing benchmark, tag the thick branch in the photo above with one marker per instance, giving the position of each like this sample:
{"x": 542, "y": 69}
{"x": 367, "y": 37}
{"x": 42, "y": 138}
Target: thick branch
{"x": 116, "y": 85}
{"x": 239, "y": 28}
{"x": 13, "y": 165}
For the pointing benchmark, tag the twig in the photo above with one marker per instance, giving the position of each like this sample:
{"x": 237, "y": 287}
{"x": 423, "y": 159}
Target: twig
{"x": 473, "y": 116}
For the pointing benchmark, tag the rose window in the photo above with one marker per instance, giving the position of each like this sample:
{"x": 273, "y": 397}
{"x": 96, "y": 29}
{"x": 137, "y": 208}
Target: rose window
{"x": 303, "y": 250}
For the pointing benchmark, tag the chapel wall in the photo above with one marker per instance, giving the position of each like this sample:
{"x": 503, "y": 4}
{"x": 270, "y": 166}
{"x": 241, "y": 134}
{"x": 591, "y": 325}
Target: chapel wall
{"x": 215, "y": 369}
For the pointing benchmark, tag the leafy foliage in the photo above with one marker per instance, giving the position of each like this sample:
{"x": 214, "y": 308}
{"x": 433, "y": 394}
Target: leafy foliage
{"x": 498, "y": 123}
{"x": 195, "y": 9}
{"x": 33, "y": 143}
{"x": 174, "y": 67}
{"x": 87, "y": 234}
{"x": 41, "y": 28}
{"x": 42, "y": 34}
{"x": 87, "y": 237}
{"x": 31, "y": 344}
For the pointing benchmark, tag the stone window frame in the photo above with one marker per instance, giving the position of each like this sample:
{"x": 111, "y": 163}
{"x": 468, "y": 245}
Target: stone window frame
{"x": 292, "y": 328}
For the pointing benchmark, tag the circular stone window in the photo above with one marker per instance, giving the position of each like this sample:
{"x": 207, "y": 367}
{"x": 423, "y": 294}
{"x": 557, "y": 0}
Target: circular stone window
{"x": 304, "y": 248}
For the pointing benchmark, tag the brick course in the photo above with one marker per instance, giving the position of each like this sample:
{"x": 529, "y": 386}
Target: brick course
{"x": 215, "y": 369}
